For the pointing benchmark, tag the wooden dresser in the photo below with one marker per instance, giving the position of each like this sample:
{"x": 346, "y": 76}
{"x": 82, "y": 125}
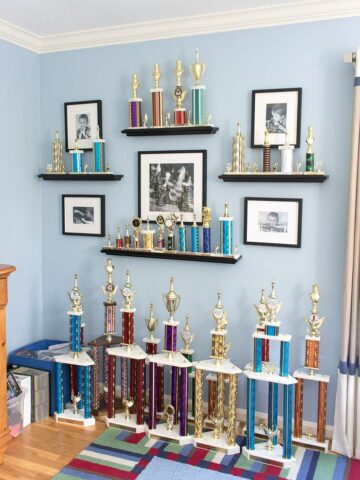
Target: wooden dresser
{"x": 5, "y": 271}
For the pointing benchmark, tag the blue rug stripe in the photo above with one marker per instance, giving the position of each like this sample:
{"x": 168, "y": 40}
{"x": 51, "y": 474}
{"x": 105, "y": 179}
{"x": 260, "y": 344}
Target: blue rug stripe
{"x": 80, "y": 474}
{"x": 117, "y": 449}
{"x": 122, "y": 435}
{"x": 340, "y": 468}
{"x": 113, "y": 453}
{"x": 313, "y": 464}
{"x": 304, "y": 468}
{"x": 187, "y": 449}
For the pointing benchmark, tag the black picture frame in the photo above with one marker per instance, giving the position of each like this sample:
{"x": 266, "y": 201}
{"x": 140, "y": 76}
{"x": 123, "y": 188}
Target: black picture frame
{"x": 101, "y": 223}
{"x": 200, "y": 166}
{"x": 298, "y": 232}
{"x": 258, "y": 121}
{"x": 70, "y": 110}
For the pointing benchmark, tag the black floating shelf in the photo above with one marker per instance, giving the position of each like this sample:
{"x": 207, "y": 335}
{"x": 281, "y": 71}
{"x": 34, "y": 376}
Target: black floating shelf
{"x": 169, "y": 255}
{"x": 274, "y": 177}
{"x": 104, "y": 177}
{"x": 153, "y": 131}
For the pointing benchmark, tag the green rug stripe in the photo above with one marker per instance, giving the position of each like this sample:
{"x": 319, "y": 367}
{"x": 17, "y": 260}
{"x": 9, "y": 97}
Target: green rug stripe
{"x": 173, "y": 448}
{"x": 210, "y": 456}
{"x": 63, "y": 476}
{"x": 108, "y": 439}
{"x": 106, "y": 463}
{"x": 325, "y": 466}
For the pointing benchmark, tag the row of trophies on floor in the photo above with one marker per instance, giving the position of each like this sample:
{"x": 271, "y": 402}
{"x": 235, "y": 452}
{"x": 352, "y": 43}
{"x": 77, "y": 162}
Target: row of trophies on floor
{"x": 141, "y": 406}
{"x": 169, "y": 222}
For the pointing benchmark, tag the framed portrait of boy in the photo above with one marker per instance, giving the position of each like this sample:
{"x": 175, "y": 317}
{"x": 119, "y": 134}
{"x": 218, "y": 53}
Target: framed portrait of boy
{"x": 172, "y": 181}
{"x": 81, "y": 122}
{"x": 279, "y": 112}
{"x": 274, "y": 222}
{"x": 83, "y": 215}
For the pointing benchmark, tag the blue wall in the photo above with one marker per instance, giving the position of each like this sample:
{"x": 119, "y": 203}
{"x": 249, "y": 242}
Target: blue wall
{"x": 307, "y": 56}
{"x": 20, "y": 191}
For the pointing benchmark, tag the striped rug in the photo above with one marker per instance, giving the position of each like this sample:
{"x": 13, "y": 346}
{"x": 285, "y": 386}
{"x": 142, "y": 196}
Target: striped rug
{"x": 118, "y": 454}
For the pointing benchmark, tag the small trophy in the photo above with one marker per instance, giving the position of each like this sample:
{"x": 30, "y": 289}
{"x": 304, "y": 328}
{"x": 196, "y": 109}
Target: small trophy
{"x": 206, "y": 230}
{"x": 272, "y": 305}
{"x": 286, "y": 152}
{"x": 119, "y": 240}
{"x": 99, "y": 153}
{"x": 127, "y": 238}
{"x": 151, "y": 323}
{"x": 128, "y": 293}
{"x": 170, "y": 416}
{"x": 310, "y": 156}
{"x": 194, "y": 236}
{"x": 238, "y": 151}
{"x": 170, "y": 223}
{"x": 226, "y": 232}
{"x": 135, "y": 104}
{"x": 75, "y": 399}
{"x": 77, "y": 157}
{"x": 182, "y": 234}
{"x": 266, "y": 152}
{"x": 197, "y": 70}
{"x": 179, "y": 95}
{"x": 57, "y": 163}
{"x": 160, "y": 220}
{"x": 171, "y": 301}
{"x": 136, "y": 223}
{"x": 187, "y": 338}
{"x": 157, "y": 99}
{"x": 271, "y": 434}
{"x": 128, "y": 403}
{"x": 148, "y": 237}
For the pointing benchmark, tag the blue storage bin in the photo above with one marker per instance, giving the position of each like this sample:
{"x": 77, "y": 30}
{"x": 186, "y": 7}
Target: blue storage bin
{"x": 20, "y": 361}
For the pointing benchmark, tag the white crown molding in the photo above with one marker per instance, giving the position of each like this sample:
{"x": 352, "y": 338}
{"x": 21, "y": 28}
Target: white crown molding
{"x": 283, "y": 14}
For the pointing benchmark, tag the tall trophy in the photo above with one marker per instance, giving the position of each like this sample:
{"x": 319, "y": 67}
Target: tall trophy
{"x": 57, "y": 164}
{"x": 238, "y": 151}
{"x": 310, "y": 156}
{"x": 197, "y": 70}
{"x": 206, "y": 230}
{"x": 157, "y": 94}
{"x": 134, "y": 104}
{"x": 179, "y": 95}
{"x": 99, "y": 153}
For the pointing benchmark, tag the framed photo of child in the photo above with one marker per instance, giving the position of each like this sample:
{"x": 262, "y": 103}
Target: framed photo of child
{"x": 81, "y": 122}
{"x": 279, "y": 112}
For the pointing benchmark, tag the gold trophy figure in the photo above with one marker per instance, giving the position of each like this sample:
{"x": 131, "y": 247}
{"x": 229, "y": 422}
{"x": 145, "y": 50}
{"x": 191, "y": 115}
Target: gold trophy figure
{"x": 75, "y": 399}
{"x": 171, "y": 300}
{"x": 128, "y": 293}
{"x": 179, "y": 95}
{"x": 187, "y": 337}
{"x": 151, "y": 323}
{"x": 197, "y": 70}
{"x": 136, "y": 224}
{"x": 238, "y": 151}
{"x": 272, "y": 305}
{"x": 128, "y": 403}
{"x": 110, "y": 289}
{"x": 57, "y": 164}
{"x": 270, "y": 436}
{"x": 170, "y": 416}
{"x": 314, "y": 322}
{"x": 76, "y": 297}
{"x": 261, "y": 308}
{"x": 219, "y": 316}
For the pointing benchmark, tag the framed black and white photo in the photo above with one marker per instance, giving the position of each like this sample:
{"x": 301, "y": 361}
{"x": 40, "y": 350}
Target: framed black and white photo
{"x": 273, "y": 221}
{"x": 81, "y": 122}
{"x": 172, "y": 182}
{"x": 83, "y": 215}
{"x": 277, "y": 111}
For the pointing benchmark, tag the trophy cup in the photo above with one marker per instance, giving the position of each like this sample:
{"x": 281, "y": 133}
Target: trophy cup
{"x": 179, "y": 95}
{"x": 206, "y": 230}
{"x": 57, "y": 164}
{"x": 197, "y": 70}
{"x": 226, "y": 232}
{"x": 135, "y": 104}
{"x": 77, "y": 157}
{"x": 136, "y": 223}
{"x": 160, "y": 220}
{"x": 310, "y": 156}
{"x": 148, "y": 237}
{"x": 99, "y": 153}
{"x": 266, "y": 152}
{"x": 157, "y": 99}
{"x": 127, "y": 238}
{"x": 286, "y": 151}
{"x": 119, "y": 240}
{"x": 194, "y": 236}
{"x": 238, "y": 151}
{"x": 182, "y": 234}
{"x": 170, "y": 222}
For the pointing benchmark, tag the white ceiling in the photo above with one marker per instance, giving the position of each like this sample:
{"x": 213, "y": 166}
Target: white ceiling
{"x": 49, "y": 17}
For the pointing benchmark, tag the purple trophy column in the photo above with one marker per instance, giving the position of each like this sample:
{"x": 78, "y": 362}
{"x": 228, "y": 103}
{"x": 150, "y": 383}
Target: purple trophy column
{"x": 183, "y": 401}
{"x": 152, "y": 395}
{"x": 170, "y": 338}
{"x": 175, "y": 393}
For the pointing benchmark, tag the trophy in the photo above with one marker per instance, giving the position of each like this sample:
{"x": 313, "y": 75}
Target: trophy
{"x": 182, "y": 234}
{"x": 187, "y": 337}
{"x": 170, "y": 414}
{"x": 206, "y": 229}
{"x": 109, "y": 290}
{"x": 77, "y": 157}
{"x": 314, "y": 323}
{"x": 197, "y": 70}
{"x": 127, "y": 238}
{"x": 75, "y": 399}
{"x": 128, "y": 293}
{"x": 238, "y": 151}
{"x": 273, "y": 308}
{"x": 172, "y": 301}
{"x": 157, "y": 99}
{"x": 136, "y": 223}
{"x": 286, "y": 152}
{"x": 194, "y": 236}
{"x": 119, "y": 240}
{"x": 262, "y": 312}
{"x": 310, "y": 156}
{"x": 135, "y": 104}
{"x": 152, "y": 349}
{"x": 170, "y": 222}
{"x": 128, "y": 403}
{"x": 266, "y": 152}
{"x": 226, "y": 232}
{"x": 57, "y": 163}
{"x": 160, "y": 220}
{"x": 99, "y": 153}
{"x": 270, "y": 434}
{"x": 148, "y": 237}
{"x": 179, "y": 95}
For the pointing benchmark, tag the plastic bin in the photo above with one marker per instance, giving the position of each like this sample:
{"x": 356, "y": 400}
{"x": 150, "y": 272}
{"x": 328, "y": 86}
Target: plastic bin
{"x": 15, "y": 411}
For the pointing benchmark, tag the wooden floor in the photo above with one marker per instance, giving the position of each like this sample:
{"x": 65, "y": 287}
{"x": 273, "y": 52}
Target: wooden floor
{"x": 44, "y": 448}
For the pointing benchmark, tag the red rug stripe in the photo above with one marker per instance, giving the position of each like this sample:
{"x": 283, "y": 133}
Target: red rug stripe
{"x": 272, "y": 470}
{"x": 172, "y": 456}
{"x": 135, "y": 438}
{"x": 236, "y": 471}
{"x": 354, "y": 471}
{"x": 198, "y": 455}
{"x": 102, "y": 469}
{"x": 214, "y": 466}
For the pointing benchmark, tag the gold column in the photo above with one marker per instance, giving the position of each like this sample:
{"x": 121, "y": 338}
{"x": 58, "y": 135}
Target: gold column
{"x": 220, "y": 414}
{"x": 211, "y": 399}
{"x": 298, "y": 408}
{"x": 198, "y": 403}
{"x": 321, "y": 420}
{"x": 231, "y": 429}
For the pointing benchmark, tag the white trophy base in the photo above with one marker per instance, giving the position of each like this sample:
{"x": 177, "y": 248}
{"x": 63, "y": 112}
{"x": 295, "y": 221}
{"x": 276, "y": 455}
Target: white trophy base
{"x": 272, "y": 457}
{"x": 219, "y": 444}
{"x": 311, "y": 442}
{"x": 68, "y": 416}
{"x": 170, "y": 435}
{"x": 120, "y": 421}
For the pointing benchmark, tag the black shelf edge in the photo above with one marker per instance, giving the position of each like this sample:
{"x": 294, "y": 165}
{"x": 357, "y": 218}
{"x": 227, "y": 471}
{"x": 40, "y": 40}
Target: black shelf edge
{"x": 276, "y": 177}
{"x": 153, "y": 131}
{"x": 104, "y": 177}
{"x": 168, "y": 255}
